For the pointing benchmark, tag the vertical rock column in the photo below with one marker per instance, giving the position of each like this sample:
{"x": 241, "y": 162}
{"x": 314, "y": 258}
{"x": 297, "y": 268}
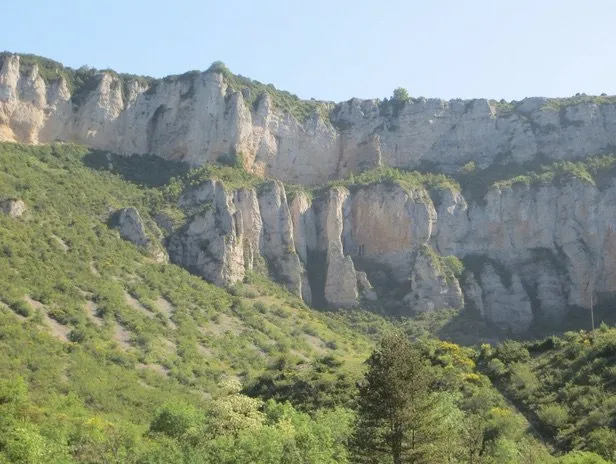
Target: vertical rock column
{"x": 341, "y": 278}
{"x": 277, "y": 244}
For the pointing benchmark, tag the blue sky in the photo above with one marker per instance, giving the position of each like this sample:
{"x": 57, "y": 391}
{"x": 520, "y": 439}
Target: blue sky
{"x": 337, "y": 49}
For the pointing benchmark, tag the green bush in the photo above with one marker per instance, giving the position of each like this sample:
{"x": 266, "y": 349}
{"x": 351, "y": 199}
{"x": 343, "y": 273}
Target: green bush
{"x": 555, "y": 416}
{"x": 512, "y": 351}
{"x": 22, "y": 308}
{"x": 582, "y": 457}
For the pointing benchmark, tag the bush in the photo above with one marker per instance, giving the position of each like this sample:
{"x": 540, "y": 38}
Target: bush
{"x": 555, "y": 416}
{"x": 401, "y": 95}
{"x": 22, "y": 308}
{"x": 496, "y": 368}
{"x": 512, "y": 351}
{"x": 582, "y": 457}
{"x": 454, "y": 264}
{"x": 234, "y": 160}
{"x": 603, "y": 442}
{"x": 177, "y": 420}
{"x": 523, "y": 379}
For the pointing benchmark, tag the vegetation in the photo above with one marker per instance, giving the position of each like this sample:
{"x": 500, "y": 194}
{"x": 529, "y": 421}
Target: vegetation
{"x": 253, "y": 91}
{"x": 566, "y": 384}
{"x": 111, "y": 357}
{"x": 401, "y": 96}
{"x": 87, "y": 315}
{"x": 80, "y": 82}
{"x": 502, "y": 108}
{"x": 397, "y": 416}
{"x": 84, "y": 80}
{"x": 557, "y": 104}
{"x": 595, "y": 170}
{"x": 392, "y": 106}
{"x": 408, "y": 180}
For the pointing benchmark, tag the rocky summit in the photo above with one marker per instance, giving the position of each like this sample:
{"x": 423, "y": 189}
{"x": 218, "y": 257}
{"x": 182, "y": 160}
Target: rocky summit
{"x": 521, "y": 231}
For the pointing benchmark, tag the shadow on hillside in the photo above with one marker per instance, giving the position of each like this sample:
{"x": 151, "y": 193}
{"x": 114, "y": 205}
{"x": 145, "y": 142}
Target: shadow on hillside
{"x": 467, "y": 329}
{"x": 147, "y": 170}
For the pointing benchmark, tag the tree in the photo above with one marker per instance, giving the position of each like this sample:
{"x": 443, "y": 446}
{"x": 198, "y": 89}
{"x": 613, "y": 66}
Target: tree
{"x": 401, "y": 95}
{"x": 398, "y": 416}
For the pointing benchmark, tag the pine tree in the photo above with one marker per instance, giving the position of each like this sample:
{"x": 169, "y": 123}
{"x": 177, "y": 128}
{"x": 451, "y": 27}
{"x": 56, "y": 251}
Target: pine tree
{"x": 398, "y": 417}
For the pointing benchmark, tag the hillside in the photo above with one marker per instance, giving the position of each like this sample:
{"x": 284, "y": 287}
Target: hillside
{"x": 86, "y": 313}
{"x": 566, "y": 385}
{"x": 204, "y": 268}
{"x": 110, "y": 354}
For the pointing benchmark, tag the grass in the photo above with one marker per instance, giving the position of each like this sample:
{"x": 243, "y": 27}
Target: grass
{"x": 556, "y": 104}
{"x": 595, "y": 170}
{"x": 408, "y": 180}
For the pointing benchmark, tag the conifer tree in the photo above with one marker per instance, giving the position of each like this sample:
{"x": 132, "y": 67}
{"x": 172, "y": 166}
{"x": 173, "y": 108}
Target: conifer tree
{"x": 394, "y": 405}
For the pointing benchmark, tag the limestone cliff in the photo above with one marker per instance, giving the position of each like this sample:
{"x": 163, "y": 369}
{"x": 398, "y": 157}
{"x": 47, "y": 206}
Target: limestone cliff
{"x": 198, "y": 117}
{"x": 532, "y": 251}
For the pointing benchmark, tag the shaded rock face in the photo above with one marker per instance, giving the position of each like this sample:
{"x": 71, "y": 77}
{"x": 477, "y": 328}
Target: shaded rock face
{"x": 130, "y": 225}
{"x": 13, "y": 208}
{"x": 277, "y": 245}
{"x": 197, "y": 118}
{"x": 431, "y": 288}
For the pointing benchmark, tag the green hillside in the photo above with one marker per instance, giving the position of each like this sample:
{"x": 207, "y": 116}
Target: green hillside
{"x": 565, "y": 385}
{"x": 111, "y": 357}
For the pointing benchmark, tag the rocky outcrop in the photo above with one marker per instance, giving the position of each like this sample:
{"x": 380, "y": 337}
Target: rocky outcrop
{"x": 211, "y": 244}
{"x": 340, "y": 277}
{"x": 13, "y": 208}
{"x": 277, "y": 244}
{"x": 198, "y": 117}
{"x": 431, "y": 287}
{"x": 132, "y": 228}
{"x": 531, "y": 253}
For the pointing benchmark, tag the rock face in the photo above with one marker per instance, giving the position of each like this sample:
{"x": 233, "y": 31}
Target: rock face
{"x": 13, "y": 208}
{"x": 431, "y": 288}
{"x": 132, "y": 228}
{"x": 198, "y": 117}
{"x": 531, "y": 253}
{"x": 130, "y": 225}
{"x": 211, "y": 243}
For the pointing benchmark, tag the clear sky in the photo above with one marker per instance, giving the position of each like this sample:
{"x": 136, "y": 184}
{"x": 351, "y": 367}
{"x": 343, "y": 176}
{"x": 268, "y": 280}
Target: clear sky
{"x": 337, "y": 49}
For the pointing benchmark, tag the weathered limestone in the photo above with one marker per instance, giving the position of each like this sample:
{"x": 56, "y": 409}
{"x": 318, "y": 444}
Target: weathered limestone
{"x": 431, "y": 288}
{"x": 340, "y": 278}
{"x": 277, "y": 244}
{"x": 130, "y": 225}
{"x": 198, "y": 117}
{"x": 211, "y": 243}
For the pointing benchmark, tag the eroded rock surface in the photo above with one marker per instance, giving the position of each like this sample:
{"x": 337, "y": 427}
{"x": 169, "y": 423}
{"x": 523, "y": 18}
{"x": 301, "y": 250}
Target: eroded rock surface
{"x": 199, "y": 117}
